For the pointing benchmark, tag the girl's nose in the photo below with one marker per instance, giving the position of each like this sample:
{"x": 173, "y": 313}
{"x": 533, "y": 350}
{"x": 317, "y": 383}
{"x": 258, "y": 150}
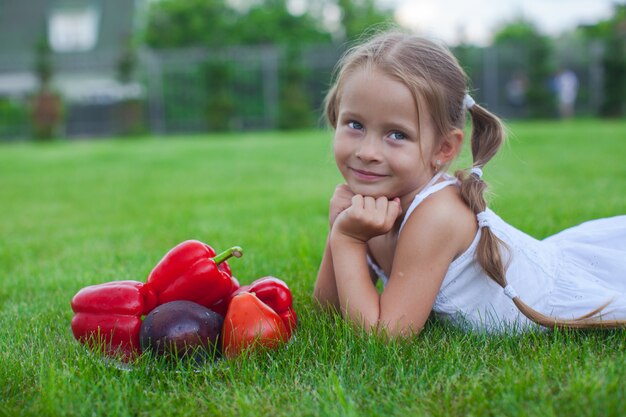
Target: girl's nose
{"x": 369, "y": 149}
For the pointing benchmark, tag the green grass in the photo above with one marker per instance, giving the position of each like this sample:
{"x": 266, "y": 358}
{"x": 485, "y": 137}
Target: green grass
{"x": 77, "y": 213}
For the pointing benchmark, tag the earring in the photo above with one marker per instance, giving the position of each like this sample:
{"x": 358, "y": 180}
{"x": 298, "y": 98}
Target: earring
{"x": 437, "y": 164}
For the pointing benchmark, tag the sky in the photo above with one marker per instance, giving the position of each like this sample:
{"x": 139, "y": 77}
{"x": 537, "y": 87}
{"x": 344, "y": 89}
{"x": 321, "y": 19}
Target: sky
{"x": 475, "y": 20}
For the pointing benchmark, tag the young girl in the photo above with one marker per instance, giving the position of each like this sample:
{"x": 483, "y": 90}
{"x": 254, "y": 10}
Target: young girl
{"x": 398, "y": 107}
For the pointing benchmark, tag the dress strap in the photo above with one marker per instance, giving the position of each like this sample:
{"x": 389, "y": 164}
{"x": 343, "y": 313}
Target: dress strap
{"x": 429, "y": 189}
{"x": 377, "y": 270}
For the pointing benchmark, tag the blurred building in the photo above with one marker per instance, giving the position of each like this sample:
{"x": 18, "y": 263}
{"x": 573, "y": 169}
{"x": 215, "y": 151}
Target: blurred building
{"x": 88, "y": 39}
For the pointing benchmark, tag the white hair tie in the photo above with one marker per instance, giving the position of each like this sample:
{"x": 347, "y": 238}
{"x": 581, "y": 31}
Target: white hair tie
{"x": 468, "y": 102}
{"x": 510, "y": 292}
{"x": 476, "y": 171}
{"x": 483, "y": 219}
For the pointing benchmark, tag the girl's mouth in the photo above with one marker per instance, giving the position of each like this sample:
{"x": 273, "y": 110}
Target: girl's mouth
{"x": 367, "y": 175}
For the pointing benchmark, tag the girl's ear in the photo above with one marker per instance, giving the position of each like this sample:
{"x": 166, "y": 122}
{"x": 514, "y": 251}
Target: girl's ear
{"x": 449, "y": 147}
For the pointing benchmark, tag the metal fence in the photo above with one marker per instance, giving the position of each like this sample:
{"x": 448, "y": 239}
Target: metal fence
{"x": 238, "y": 88}
{"x": 500, "y": 81}
{"x": 245, "y": 88}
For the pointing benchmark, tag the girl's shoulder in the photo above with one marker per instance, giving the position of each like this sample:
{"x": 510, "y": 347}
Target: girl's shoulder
{"x": 443, "y": 218}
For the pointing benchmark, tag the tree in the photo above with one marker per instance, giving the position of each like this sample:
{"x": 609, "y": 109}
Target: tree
{"x": 216, "y": 24}
{"x": 129, "y": 110}
{"x": 612, "y": 34}
{"x": 523, "y": 37}
{"x": 360, "y": 15}
{"x": 176, "y": 23}
{"x": 354, "y": 17}
{"x": 270, "y": 22}
{"x": 47, "y": 106}
{"x": 280, "y": 27}
{"x": 213, "y": 23}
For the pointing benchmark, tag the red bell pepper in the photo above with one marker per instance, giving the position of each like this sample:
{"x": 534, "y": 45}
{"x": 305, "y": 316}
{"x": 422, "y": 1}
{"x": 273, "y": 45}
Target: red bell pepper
{"x": 191, "y": 271}
{"x": 221, "y": 306}
{"x": 276, "y": 294}
{"x": 108, "y": 316}
{"x": 250, "y": 323}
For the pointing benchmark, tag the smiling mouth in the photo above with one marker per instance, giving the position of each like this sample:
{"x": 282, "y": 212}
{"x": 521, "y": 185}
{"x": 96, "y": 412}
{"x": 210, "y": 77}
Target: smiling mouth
{"x": 367, "y": 175}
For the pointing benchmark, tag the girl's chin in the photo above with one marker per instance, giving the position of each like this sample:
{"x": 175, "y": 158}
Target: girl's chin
{"x": 370, "y": 192}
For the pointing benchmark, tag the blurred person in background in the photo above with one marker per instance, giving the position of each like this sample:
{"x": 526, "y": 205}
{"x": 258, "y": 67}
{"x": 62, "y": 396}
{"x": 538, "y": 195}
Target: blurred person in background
{"x": 566, "y": 85}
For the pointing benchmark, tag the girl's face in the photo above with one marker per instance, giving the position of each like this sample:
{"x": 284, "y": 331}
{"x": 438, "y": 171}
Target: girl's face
{"x": 380, "y": 146}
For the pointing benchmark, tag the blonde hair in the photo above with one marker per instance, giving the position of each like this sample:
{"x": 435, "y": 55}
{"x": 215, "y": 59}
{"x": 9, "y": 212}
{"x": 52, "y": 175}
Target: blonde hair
{"x": 434, "y": 77}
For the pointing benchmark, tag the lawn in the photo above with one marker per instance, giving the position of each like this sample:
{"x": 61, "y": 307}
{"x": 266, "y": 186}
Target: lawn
{"x": 76, "y": 213}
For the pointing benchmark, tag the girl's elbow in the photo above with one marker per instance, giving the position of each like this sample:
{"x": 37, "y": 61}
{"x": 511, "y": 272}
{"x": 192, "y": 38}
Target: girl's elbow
{"x": 404, "y": 333}
{"x": 319, "y": 296}
{"x": 371, "y": 326}
{"x": 324, "y": 301}
{"x": 387, "y": 328}
{"x": 397, "y": 330}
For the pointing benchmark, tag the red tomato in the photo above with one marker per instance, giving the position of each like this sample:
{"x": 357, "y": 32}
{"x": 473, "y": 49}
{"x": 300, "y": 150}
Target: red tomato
{"x": 251, "y": 323}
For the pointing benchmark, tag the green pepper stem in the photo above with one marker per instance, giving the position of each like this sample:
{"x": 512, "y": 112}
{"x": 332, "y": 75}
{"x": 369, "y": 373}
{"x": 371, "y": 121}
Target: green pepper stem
{"x": 235, "y": 251}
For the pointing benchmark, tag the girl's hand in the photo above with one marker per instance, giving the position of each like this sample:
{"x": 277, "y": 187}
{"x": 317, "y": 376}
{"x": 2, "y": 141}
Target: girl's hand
{"x": 368, "y": 217}
{"x": 341, "y": 200}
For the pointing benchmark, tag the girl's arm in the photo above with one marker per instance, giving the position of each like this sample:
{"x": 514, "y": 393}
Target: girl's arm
{"x": 434, "y": 234}
{"x": 325, "y": 291}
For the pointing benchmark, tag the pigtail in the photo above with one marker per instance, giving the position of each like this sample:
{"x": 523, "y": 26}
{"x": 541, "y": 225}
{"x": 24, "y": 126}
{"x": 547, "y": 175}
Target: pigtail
{"x": 486, "y": 139}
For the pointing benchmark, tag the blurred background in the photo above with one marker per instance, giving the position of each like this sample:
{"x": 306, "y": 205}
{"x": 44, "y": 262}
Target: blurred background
{"x": 102, "y": 68}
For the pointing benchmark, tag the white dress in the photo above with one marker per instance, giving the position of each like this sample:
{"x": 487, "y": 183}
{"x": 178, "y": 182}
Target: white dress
{"x": 565, "y": 276}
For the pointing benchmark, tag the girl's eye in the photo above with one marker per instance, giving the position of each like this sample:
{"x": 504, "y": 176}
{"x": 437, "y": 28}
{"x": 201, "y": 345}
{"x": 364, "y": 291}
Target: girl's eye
{"x": 397, "y": 135}
{"x": 355, "y": 125}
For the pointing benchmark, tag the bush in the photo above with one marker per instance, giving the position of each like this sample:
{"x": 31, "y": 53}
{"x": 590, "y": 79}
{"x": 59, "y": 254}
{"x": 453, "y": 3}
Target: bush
{"x": 295, "y": 111}
{"x": 13, "y": 118}
{"x": 220, "y": 108}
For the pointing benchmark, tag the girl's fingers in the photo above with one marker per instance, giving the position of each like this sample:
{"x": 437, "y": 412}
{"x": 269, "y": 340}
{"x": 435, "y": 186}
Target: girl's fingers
{"x": 395, "y": 203}
{"x": 357, "y": 204}
{"x": 368, "y": 217}
{"x": 357, "y": 201}
{"x": 369, "y": 203}
{"x": 382, "y": 203}
{"x": 393, "y": 211}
